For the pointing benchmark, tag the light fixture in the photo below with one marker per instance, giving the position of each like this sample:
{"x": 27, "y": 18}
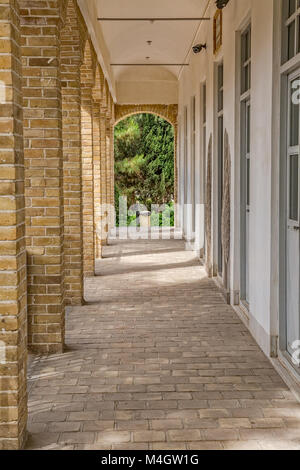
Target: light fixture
{"x": 221, "y": 4}
{"x": 198, "y": 48}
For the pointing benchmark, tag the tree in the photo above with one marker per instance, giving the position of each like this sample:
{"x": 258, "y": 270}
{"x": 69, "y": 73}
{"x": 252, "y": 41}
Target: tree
{"x": 144, "y": 160}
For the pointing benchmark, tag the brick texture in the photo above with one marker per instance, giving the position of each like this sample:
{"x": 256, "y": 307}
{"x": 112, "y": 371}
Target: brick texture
{"x": 87, "y": 84}
{"x": 96, "y": 163}
{"x": 72, "y": 38}
{"x": 40, "y": 28}
{"x": 103, "y": 166}
{"x": 13, "y": 353}
{"x": 56, "y": 171}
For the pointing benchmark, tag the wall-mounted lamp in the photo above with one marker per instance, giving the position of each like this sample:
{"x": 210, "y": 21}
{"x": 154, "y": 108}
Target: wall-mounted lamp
{"x": 198, "y": 48}
{"x": 221, "y": 4}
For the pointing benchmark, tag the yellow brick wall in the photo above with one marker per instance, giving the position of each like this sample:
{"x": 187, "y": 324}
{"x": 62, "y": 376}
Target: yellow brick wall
{"x": 13, "y": 328}
{"x": 56, "y": 168}
{"x": 87, "y": 81}
{"x": 73, "y": 36}
{"x": 96, "y": 162}
{"x": 40, "y": 31}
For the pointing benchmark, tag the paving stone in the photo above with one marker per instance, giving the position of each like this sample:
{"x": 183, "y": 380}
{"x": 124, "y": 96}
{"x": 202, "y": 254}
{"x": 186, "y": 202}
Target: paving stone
{"x": 64, "y": 427}
{"x": 184, "y": 435}
{"x": 76, "y": 438}
{"x": 149, "y": 436}
{"x": 165, "y": 424}
{"x": 235, "y": 423}
{"x": 83, "y": 416}
{"x": 113, "y": 437}
{"x": 98, "y": 425}
{"x": 130, "y": 425}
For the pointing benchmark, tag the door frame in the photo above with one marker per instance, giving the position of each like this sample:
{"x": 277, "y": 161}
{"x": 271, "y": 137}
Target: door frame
{"x": 245, "y": 102}
{"x": 286, "y": 78}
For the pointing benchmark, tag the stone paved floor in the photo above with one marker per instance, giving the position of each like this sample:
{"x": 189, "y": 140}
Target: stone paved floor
{"x": 157, "y": 360}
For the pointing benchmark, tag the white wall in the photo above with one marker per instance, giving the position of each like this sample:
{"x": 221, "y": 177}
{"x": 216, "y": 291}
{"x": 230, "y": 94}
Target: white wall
{"x": 236, "y": 16}
{"x": 147, "y": 92}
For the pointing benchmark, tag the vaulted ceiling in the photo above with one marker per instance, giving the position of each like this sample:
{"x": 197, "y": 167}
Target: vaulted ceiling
{"x": 144, "y": 42}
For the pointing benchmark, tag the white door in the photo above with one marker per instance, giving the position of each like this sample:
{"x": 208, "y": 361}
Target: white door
{"x": 292, "y": 217}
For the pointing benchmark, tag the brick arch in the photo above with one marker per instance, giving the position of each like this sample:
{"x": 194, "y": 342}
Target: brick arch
{"x": 167, "y": 112}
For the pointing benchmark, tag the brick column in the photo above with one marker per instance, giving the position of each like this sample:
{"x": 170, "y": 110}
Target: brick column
{"x": 111, "y": 157}
{"x": 13, "y": 349}
{"x": 103, "y": 169}
{"x": 87, "y": 163}
{"x": 71, "y": 125}
{"x": 97, "y": 164}
{"x": 112, "y": 172}
{"x": 40, "y": 29}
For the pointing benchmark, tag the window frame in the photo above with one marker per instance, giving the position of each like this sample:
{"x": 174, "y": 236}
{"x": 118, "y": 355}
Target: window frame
{"x": 287, "y": 21}
{"x": 290, "y": 151}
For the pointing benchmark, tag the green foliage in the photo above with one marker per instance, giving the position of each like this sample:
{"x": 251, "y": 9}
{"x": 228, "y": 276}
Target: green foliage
{"x": 144, "y": 161}
{"x": 164, "y": 218}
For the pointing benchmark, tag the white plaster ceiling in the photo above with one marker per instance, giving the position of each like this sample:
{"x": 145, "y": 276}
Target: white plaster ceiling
{"x": 127, "y": 41}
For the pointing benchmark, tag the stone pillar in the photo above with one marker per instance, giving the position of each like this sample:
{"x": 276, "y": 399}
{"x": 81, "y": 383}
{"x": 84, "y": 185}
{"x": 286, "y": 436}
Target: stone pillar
{"x": 103, "y": 171}
{"x": 13, "y": 347}
{"x": 40, "y": 29}
{"x": 87, "y": 163}
{"x": 97, "y": 169}
{"x": 71, "y": 124}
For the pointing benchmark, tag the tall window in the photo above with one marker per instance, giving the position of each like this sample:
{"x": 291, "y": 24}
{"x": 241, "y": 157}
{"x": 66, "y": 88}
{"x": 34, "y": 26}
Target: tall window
{"x": 203, "y": 148}
{"x": 291, "y": 29}
{"x": 245, "y": 160}
{"x": 289, "y": 267}
{"x": 246, "y": 61}
{"x": 185, "y": 149}
{"x": 203, "y": 135}
{"x": 220, "y": 105}
{"x": 193, "y": 157}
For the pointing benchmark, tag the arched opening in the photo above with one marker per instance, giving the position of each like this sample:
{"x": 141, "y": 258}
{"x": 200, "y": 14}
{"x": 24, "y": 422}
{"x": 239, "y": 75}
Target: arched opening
{"x": 144, "y": 145}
